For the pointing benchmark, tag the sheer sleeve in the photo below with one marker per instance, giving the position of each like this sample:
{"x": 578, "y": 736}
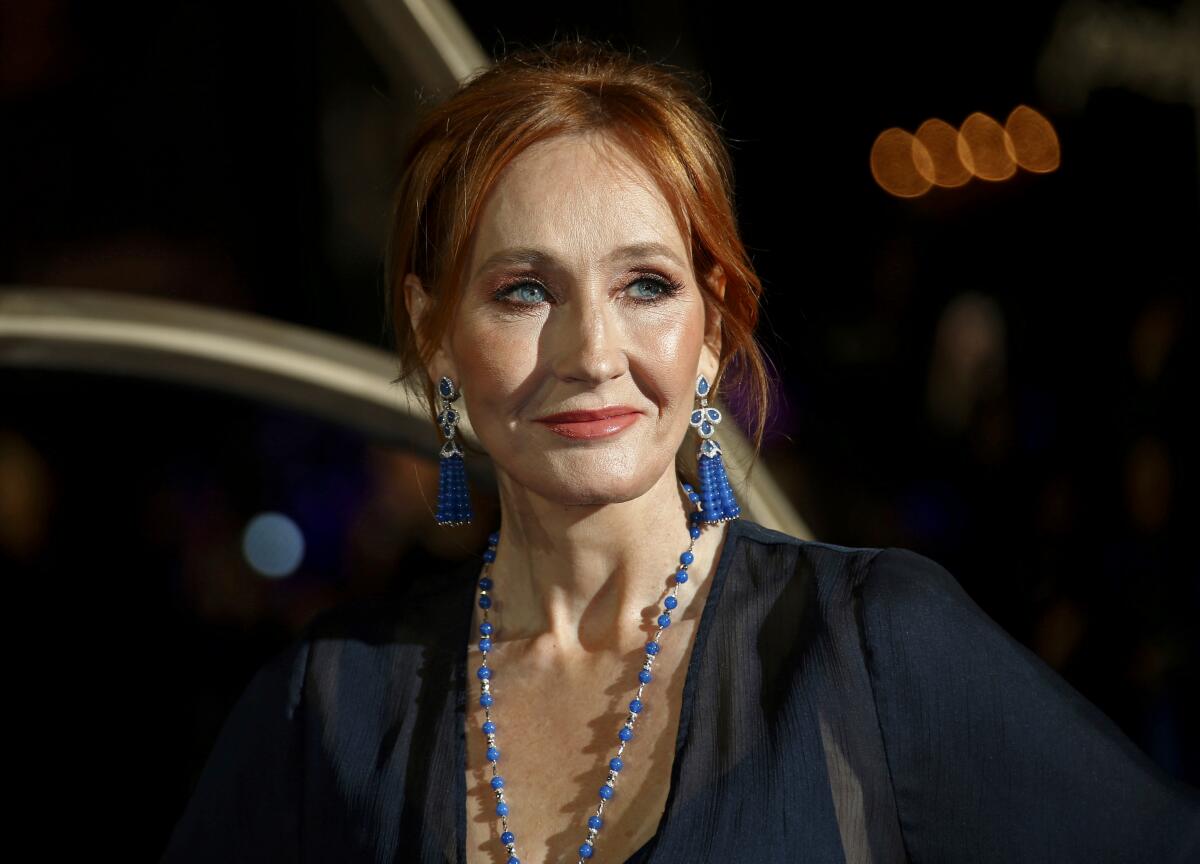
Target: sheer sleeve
{"x": 246, "y": 804}
{"x": 993, "y": 756}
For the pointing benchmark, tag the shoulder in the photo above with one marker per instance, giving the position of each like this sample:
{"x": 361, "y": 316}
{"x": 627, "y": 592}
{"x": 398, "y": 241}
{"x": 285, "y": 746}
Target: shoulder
{"x": 909, "y": 605}
{"x": 905, "y": 579}
{"x": 757, "y": 541}
{"x": 831, "y": 572}
{"x": 412, "y": 611}
{"x": 873, "y": 596}
{"x": 365, "y": 659}
{"x": 898, "y": 583}
{"x": 389, "y": 637}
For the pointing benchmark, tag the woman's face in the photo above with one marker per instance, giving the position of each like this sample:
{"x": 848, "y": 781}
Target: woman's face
{"x": 579, "y": 295}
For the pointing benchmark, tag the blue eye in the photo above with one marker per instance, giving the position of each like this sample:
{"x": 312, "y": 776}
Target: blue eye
{"x": 660, "y": 287}
{"x": 519, "y": 290}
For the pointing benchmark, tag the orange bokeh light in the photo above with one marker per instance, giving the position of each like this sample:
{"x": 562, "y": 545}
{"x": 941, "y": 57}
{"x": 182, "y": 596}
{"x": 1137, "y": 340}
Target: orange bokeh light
{"x": 941, "y": 141}
{"x": 1034, "y": 144}
{"x": 901, "y": 164}
{"x": 984, "y": 147}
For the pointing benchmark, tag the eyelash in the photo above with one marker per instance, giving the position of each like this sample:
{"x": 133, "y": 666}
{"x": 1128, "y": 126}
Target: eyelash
{"x": 667, "y": 288}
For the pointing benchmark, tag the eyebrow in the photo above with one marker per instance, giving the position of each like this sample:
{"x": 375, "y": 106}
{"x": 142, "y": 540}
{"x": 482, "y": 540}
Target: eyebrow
{"x": 535, "y": 256}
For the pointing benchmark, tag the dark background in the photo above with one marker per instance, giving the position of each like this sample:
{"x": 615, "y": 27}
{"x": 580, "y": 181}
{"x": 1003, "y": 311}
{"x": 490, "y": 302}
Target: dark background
{"x": 996, "y": 376}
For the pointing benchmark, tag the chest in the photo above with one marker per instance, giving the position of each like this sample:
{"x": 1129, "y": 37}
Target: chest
{"x": 556, "y": 735}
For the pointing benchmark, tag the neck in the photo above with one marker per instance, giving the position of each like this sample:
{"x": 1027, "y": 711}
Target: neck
{"x": 572, "y": 580}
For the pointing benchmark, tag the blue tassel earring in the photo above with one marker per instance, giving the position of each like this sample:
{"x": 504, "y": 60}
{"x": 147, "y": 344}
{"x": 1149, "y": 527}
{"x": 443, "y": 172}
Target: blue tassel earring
{"x": 454, "y": 500}
{"x": 717, "y": 503}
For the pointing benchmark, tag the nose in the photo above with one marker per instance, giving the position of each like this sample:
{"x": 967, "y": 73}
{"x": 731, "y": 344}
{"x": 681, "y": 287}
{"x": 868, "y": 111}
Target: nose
{"x": 589, "y": 342}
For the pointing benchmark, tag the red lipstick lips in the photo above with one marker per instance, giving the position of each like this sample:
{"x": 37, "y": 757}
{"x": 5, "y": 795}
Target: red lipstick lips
{"x": 598, "y": 423}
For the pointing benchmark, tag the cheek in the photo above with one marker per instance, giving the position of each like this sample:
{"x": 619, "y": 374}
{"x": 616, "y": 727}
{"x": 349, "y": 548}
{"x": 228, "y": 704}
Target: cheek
{"x": 497, "y": 361}
{"x": 480, "y": 336}
{"x": 669, "y": 345}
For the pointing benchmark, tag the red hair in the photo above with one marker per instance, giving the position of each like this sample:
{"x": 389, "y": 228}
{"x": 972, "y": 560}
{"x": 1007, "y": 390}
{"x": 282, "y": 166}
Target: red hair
{"x": 656, "y": 112}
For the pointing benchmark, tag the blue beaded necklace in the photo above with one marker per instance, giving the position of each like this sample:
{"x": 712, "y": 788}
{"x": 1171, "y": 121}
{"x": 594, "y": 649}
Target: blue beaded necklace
{"x": 484, "y": 673}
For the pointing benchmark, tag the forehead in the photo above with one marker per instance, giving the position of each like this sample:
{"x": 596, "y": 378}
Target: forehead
{"x": 577, "y": 198}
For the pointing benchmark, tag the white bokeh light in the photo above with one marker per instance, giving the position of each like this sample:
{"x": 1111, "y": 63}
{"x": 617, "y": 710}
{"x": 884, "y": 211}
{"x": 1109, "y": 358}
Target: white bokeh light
{"x": 273, "y": 545}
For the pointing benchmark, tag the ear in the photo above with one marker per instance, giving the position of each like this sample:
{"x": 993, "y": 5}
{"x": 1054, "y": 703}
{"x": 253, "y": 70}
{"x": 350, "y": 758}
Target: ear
{"x": 419, "y": 304}
{"x": 710, "y": 354}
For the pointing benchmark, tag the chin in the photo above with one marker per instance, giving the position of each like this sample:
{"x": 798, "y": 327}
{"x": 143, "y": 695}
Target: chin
{"x": 583, "y": 481}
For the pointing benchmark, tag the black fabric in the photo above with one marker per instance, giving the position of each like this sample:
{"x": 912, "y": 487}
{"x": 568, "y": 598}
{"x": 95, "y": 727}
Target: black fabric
{"x": 841, "y": 705}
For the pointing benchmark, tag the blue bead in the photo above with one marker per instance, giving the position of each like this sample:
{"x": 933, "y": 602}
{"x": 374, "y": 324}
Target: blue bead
{"x": 585, "y": 851}
{"x": 615, "y": 764}
{"x": 664, "y": 620}
{"x": 595, "y": 822}
{"x": 625, "y": 734}
{"x": 687, "y": 558}
{"x": 671, "y": 602}
{"x": 651, "y": 647}
{"x": 489, "y": 727}
{"x": 513, "y": 859}
{"x": 606, "y": 792}
{"x": 485, "y": 644}
{"x": 493, "y": 754}
{"x": 693, "y": 497}
{"x": 489, "y": 555}
{"x": 501, "y": 809}
{"x": 483, "y": 673}
{"x": 643, "y": 676}
{"x": 681, "y": 576}
{"x": 635, "y": 706}
{"x": 694, "y": 531}
{"x": 485, "y": 583}
{"x": 486, "y": 628}
{"x": 507, "y": 837}
{"x": 687, "y": 487}
{"x": 486, "y": 700}
{"x": 497, "y": 782}
{"x": 485, "y": 602}
{"x": 493, "y": 538}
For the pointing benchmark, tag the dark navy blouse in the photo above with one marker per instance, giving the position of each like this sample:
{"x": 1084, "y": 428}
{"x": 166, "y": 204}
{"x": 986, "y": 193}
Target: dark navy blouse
{"x": 840, "y": 705}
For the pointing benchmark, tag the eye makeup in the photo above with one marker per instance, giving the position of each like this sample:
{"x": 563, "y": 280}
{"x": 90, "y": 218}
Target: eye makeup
{"x": 666, "y": 288}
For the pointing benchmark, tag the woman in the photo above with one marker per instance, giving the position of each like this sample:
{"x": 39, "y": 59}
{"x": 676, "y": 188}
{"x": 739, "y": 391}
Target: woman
{"x": 630, "y": 672}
